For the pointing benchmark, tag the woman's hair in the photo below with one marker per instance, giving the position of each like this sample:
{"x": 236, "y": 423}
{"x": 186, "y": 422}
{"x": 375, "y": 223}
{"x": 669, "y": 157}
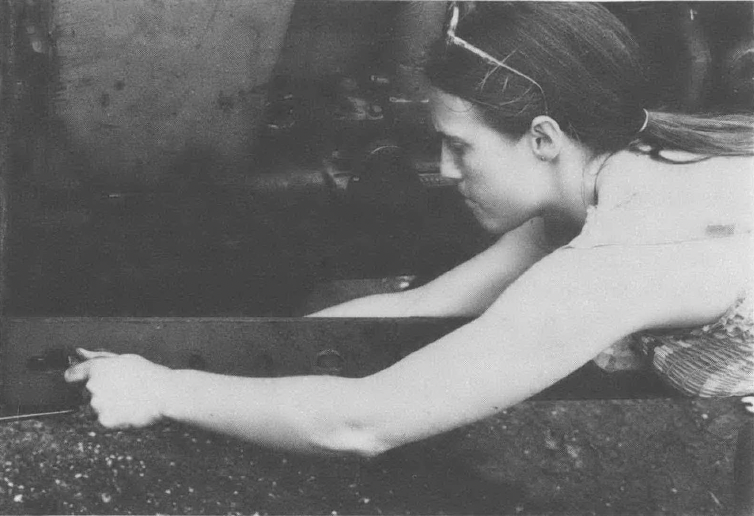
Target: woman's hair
{"x": 577, "y": 63}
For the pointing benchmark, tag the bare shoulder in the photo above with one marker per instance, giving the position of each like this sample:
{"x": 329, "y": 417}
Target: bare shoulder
{"x": 642, "y": 200}
{"x": 628, "y": 173}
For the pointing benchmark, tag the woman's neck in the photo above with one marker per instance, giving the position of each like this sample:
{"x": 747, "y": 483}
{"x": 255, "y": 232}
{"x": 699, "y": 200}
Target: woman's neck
{"x": 580, "y": 172}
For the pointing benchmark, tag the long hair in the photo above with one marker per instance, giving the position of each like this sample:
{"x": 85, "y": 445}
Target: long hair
{"x": 586, "y": 72}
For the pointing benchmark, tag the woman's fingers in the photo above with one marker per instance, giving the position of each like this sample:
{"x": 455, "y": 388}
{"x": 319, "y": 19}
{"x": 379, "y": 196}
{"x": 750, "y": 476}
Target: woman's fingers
{"x": 78, "y": 372}
{"x": 88, "y": 355}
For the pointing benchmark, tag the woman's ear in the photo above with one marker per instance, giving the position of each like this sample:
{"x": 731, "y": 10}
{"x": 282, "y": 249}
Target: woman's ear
{"x": 546, "y": 138}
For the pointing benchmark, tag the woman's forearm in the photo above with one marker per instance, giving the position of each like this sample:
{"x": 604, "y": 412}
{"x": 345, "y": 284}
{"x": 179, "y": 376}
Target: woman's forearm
{"x": 397, "y": 304}
{"x": 307, "y": 413}
{"x": 466, "y": 290}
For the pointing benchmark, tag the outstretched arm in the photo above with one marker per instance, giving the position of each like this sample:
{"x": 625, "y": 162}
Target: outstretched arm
{"x": 559, "y": 315}
{"x": 466, "y": 290}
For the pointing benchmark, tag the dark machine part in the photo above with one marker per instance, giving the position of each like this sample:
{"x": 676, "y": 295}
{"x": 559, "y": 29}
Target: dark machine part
{"x": 389, "y": 200}
{"x": 388, "y": 185}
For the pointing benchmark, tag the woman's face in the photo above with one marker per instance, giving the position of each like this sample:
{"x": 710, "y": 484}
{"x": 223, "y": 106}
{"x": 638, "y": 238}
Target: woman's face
{"x": 502, "y": 181}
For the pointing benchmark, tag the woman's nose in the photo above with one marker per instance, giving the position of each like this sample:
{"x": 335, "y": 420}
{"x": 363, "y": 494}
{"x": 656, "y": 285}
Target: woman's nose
{"x": 448, "y": 167}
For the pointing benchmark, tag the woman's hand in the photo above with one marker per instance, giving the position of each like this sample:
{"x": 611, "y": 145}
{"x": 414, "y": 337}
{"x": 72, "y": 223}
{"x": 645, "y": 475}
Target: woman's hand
{"x": 127, "y": 390}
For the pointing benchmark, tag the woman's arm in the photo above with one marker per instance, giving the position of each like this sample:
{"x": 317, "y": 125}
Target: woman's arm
{"x": 466, "y": 290}
{"x": 299, "y": 413}
{"x": 560, "y": 314}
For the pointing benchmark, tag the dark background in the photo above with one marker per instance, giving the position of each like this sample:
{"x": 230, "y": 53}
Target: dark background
{"x": 196, "y": 229}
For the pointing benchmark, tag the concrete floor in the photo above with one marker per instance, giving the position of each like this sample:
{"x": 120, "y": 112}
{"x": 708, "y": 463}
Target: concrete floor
{"x": 611, "y": 457}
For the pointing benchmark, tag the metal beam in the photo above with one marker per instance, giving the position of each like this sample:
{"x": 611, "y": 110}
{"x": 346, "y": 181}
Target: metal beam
{"x": 37, "y": 350}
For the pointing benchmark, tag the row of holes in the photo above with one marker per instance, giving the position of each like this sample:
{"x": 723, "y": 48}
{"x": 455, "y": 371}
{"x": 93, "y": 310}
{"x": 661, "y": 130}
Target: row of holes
{"x": 326, "y": 361}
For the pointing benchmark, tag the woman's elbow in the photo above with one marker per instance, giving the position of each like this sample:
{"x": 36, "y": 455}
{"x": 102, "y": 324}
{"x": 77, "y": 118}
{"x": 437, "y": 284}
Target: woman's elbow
{"x": 358, "y": 425}
{"x": 356, "y": 440}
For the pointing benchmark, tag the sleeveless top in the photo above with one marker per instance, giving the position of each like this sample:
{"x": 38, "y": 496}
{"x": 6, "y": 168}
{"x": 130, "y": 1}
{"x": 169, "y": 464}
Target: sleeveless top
{"x": 715, "y": 360}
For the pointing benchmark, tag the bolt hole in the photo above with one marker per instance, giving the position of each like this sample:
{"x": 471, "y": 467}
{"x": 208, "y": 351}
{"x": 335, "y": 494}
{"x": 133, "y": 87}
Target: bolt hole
{"x": 329, "y": 361}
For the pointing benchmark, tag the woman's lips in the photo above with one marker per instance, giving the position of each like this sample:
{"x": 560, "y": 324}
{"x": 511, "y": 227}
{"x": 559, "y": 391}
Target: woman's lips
{"x": 466, "y": 199}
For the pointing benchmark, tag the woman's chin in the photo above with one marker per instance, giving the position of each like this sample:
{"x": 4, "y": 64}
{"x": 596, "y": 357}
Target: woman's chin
{"x": 495, "y": 227}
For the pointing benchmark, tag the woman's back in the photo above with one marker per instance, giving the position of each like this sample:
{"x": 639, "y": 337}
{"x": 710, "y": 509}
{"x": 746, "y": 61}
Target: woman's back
{"x": 644, "y": 201}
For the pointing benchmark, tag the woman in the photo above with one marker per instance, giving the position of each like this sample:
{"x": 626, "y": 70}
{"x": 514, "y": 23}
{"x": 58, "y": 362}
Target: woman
{"x": 613, "y": 220}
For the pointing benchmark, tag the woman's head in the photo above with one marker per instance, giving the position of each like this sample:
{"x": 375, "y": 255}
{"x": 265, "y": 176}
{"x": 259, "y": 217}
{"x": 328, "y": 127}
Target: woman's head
{"x": 572, "y": 61}
{"x": 505, "y": 181}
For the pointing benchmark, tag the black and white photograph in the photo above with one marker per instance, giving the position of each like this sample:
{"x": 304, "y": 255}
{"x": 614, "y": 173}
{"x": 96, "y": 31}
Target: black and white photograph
{"x": 376, "y": 257}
